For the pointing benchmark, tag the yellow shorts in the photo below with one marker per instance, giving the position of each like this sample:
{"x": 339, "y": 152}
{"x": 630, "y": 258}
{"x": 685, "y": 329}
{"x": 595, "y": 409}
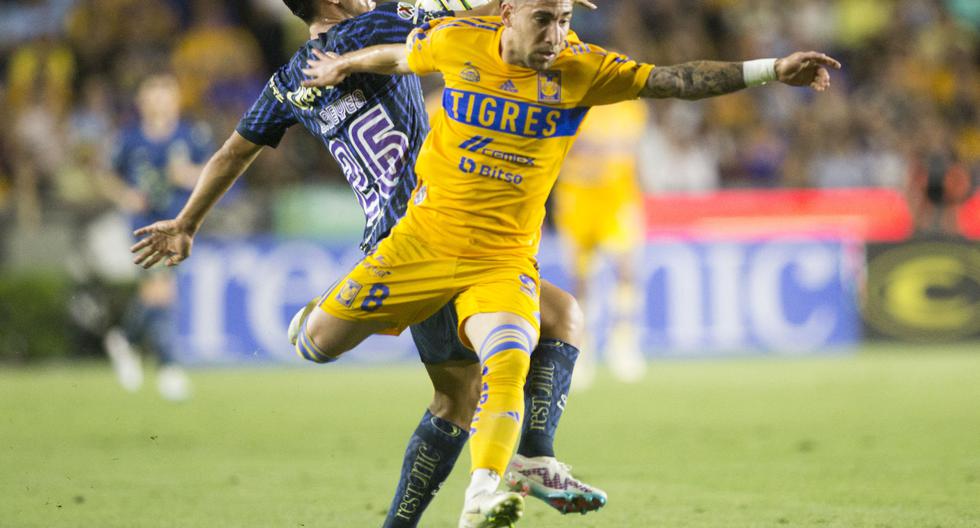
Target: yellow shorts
{"x": 404, "y": 281}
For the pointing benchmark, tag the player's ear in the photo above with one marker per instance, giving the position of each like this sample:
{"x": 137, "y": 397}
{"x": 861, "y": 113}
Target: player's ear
{"x": 507, "y": 12}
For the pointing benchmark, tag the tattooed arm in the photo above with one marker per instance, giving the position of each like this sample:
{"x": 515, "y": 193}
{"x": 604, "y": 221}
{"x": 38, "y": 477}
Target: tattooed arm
{"x": 694, "y": 80}
{"x": 700, "y": 79}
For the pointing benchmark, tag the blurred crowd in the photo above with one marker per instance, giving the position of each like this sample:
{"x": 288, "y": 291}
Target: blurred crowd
{"x": 71, "y": 70}
{"x": 904, "y": 113}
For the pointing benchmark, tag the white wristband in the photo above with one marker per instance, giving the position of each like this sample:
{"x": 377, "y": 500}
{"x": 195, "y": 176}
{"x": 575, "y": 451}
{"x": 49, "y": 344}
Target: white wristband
{"x": 759, "y": 72}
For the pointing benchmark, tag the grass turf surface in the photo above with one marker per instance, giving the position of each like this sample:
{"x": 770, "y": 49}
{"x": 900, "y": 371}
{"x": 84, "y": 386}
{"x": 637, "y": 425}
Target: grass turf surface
{"x": 887, "y": 439}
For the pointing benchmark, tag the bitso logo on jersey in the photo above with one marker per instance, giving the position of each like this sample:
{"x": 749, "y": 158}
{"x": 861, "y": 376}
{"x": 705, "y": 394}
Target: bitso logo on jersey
{"x": 549, "y": 86}
{"x": 467, "y": 165}
{"x": 349, "y": 292}
{"x": 470, "y": 73}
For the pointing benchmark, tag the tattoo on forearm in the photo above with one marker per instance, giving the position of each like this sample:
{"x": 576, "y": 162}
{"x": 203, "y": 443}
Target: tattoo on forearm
{"x": 694, "y": 80}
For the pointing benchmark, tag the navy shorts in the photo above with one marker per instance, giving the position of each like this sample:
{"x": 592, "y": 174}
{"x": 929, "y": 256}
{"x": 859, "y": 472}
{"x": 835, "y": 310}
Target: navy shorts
{"x": 437, "y": 338}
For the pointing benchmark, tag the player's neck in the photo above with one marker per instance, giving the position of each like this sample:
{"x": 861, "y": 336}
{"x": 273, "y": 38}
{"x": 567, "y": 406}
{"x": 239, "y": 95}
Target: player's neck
{"x": 321, "y": 26}
{"x": 330, "y": 17}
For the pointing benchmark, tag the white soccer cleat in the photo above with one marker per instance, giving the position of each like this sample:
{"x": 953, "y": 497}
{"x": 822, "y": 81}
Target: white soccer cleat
{"x": 551, "y": 481}
{"x": 125, "y": 362}
{"x": 297, "y": 322}
{"x": 499, "y": 509}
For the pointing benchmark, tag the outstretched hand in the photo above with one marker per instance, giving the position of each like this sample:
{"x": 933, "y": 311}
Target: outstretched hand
{"x": 806, "y": 68}
{"x": 323, "y": 70}
{"x": 168, "y": 239}
{"x": 586, "y": 3}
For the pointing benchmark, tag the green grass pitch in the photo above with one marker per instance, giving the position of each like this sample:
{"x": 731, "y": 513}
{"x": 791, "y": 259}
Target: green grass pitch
{"x": 887, "y": 439}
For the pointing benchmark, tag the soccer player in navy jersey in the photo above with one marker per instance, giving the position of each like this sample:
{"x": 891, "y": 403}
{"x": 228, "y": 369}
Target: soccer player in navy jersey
{"x": 156, "y": 162}
{"x": 374, "y": 127}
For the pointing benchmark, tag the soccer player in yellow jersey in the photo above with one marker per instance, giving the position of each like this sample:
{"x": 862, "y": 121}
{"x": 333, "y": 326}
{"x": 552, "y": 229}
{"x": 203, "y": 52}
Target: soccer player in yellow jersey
{"x": 599, "y": 209}
{"x": 517, "y": 88}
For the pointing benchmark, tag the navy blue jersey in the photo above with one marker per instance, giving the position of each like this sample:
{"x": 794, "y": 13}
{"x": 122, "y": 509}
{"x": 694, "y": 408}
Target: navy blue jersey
{"x": 145, "y": 165}
{"x": 373, "y": 125}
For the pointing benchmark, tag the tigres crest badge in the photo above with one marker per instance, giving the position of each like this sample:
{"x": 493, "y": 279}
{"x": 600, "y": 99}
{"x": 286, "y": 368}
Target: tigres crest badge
{"x": 348, "y": 292}
{"x": 549, "y": 86}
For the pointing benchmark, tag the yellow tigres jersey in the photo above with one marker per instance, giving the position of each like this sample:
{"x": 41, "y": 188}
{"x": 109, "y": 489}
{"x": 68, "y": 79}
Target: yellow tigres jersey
{"x": 503, "y": 131}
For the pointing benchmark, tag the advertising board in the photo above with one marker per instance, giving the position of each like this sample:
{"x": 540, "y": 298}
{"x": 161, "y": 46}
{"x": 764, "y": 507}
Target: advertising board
{"x": 781, "y": 296}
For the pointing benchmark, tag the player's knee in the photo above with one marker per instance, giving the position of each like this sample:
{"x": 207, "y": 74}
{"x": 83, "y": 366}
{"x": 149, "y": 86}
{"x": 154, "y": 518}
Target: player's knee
{"x": 319, "y": 343}
{"x": 506, "y": 370}
{"x": 308, "y": 349}
{"x": 562, "y": 317}
{"x": 330, "y": 347}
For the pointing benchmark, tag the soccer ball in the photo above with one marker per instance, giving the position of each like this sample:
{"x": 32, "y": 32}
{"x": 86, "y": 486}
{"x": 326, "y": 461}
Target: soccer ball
{"x": 450, "y": 5}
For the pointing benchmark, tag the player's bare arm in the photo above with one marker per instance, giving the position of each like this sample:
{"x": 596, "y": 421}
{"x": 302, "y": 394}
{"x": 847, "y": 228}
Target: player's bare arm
{"x": 330, "y": 69}
{"x": 694, "y": 80}
{"x": 701, "y": 79}
{"x": 172, "y": 239}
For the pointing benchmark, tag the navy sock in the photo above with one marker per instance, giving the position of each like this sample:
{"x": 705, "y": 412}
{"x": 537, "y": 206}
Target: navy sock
{"x": 431, "y": 454}
{"x": 545, "y": 394}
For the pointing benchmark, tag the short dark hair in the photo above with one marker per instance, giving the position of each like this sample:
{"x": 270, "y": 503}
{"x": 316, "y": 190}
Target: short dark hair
{"x": 304, "y": 9}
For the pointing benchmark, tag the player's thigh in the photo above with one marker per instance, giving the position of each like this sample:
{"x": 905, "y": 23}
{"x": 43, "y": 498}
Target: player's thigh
{"x": 437, "y": 338}
{"x": 333, "y": 336}
{"x": 561, "y": 315}
{"x": 495, "y": 329}
{"x": 399, "y": 284}
{"x": 494, "y": 286}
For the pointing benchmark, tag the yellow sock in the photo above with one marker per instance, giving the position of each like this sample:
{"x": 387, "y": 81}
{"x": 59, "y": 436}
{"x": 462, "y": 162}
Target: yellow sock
{"x": 497, "y": 422}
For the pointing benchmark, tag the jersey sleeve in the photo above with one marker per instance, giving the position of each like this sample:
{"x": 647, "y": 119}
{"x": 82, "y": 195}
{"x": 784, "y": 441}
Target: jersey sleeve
{"x": 424, "y": 45}
{"x": 267, "y": 120}
{"x": 618, "y": 78}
